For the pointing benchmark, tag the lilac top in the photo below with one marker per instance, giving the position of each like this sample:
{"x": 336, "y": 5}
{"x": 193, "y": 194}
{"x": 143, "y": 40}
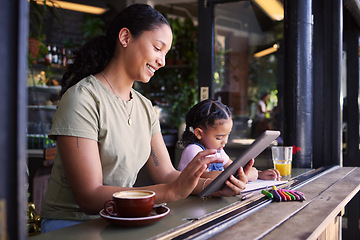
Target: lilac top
{"x": 190, "y": 152}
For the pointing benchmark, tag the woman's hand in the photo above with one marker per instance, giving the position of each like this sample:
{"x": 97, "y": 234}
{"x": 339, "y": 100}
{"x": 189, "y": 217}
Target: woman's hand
{"x": 269, "y": 174}
{"x": 188, "y": 180}
{"x": 172, "y": 185}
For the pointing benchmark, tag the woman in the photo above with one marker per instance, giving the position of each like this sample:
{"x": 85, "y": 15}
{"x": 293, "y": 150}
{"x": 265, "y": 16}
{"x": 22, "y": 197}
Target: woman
{"x": 106, "y": 131}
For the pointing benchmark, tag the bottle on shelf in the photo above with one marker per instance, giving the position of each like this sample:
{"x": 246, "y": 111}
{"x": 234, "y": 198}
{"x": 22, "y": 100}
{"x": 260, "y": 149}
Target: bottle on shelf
{"x": 60, "y": 57}
{"x": 69, "y": 57}
{"x": 48, "y": 57}
{"x": 64, "y": 58}
{"x": 54, "y": 55}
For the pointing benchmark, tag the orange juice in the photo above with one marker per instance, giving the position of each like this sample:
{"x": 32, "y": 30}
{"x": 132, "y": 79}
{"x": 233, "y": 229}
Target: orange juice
{"x": 284, "y": 168}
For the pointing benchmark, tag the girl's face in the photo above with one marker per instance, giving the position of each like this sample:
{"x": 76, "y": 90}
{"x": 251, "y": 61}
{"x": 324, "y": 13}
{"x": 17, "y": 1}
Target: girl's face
{"x": 215, "y": 137}
{"x": 146, "y": 53}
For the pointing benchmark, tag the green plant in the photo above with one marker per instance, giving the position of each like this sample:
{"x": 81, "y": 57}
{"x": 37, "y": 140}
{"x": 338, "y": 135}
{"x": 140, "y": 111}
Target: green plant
{"x": 38, "y": 11}
{"x": 92, "y": 27}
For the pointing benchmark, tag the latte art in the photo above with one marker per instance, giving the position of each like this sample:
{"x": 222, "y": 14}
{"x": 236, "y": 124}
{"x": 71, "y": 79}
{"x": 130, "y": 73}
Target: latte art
{"x": 132, "y": 194}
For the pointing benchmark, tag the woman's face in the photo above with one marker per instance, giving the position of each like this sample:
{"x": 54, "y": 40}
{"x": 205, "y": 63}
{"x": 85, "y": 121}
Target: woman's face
{"x": 146, "y": 53}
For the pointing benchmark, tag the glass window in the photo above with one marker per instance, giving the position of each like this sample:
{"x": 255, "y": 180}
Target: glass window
{"x": 246, "y": 49}
{"x": 248, "y": 66}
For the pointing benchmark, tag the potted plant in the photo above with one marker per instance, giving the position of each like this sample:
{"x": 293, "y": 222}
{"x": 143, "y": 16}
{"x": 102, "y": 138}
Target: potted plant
{"x": 92, "y": 27}
{"x": 37, "y": 22}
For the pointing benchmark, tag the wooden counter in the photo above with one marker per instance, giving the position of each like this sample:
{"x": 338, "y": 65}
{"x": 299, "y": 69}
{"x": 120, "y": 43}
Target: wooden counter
{"x": 327, "y": 193}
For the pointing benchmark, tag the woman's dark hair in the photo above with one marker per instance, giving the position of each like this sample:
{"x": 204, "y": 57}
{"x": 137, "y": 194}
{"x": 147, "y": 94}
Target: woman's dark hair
{"x": 95, "y": 54}
{"x": 204, "y": 114}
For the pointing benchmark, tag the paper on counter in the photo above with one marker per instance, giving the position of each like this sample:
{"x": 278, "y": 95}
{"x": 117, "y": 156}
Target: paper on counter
{"x": 261, "y": 184}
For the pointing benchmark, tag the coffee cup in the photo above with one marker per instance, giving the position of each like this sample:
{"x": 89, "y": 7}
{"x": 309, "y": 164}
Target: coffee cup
{"x": 131, "y": 203}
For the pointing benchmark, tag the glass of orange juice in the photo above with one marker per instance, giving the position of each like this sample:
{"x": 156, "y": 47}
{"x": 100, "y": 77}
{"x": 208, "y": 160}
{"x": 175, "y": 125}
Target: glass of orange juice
{"x": 282, "y": 158}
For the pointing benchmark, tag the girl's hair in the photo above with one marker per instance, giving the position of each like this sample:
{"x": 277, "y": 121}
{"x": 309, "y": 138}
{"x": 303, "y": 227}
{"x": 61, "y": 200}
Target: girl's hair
{"x": 204, "y": 114}
{"x": 95, "y": 54}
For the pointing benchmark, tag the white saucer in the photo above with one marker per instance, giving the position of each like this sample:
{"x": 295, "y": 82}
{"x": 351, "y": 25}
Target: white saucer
{"x": 156, "y": 214}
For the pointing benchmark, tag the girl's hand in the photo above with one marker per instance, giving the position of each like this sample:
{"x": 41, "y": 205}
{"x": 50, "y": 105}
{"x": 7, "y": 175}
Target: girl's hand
{"x": 250, "y": 171}
{"x": 269, "y": 174}
{"x": 233, "y": 186}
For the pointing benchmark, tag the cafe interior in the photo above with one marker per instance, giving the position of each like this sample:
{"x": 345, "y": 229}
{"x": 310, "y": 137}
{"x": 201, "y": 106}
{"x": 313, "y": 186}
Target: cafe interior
{"x": 304, "y": 54}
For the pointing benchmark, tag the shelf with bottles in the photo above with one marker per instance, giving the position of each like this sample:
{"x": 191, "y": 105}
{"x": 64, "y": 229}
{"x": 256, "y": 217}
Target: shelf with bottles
{"x": 57, "y": 56}
{"x": 43, "y": 83}
{"x": 49, "y": 66}
{"x": 38, "y": 126}
{"x": 40, "y": 141}
{"x": 44, "y": 75}
{"x": 42, "y": 107}
{"x": 44, "y": 97}
{"x": 43, "y": 88}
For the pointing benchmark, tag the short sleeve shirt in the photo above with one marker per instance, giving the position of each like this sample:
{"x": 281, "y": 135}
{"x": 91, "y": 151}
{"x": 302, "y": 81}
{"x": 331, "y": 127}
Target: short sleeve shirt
{"x": 190, "y": 152}
{"x": 260, "y": 115}
{"x": 90, "y": 110}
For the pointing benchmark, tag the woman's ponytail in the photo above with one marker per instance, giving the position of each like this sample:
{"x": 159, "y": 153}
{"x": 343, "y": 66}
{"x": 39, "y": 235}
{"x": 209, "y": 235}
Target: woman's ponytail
{"x": 89, "y": 59}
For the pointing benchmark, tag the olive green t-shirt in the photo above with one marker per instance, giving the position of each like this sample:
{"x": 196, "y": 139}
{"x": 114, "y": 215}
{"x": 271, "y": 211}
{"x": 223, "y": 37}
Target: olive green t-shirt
{"x": 90, "y": 110}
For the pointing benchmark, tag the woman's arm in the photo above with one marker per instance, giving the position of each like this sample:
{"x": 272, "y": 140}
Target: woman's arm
{"x": 191, "y": 180}
{"x": 159, "y": 162}
{"x": 179, "y": 184}
{"x": 82, "y": 165}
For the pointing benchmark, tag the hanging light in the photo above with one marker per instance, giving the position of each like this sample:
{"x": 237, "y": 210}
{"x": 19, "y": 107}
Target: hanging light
{"x": 267, "y": 51}
{"x": 273, "y": 8}
{"x": 73, "y": 6}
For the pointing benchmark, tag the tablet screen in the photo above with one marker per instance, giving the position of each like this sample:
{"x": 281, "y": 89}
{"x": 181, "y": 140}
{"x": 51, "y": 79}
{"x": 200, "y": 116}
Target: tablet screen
{"x": 257, "y": 147}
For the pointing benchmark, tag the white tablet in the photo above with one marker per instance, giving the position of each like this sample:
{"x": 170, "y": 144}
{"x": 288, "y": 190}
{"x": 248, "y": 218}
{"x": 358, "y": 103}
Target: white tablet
{"x": 259, "y": 145}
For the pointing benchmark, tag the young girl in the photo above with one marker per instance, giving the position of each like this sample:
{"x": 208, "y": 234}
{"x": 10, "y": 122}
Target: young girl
{"x": 208, "y": 126}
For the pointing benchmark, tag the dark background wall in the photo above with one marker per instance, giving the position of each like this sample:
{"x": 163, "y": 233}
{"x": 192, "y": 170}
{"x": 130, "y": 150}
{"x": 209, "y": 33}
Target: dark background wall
{"x": 13, "y": 179}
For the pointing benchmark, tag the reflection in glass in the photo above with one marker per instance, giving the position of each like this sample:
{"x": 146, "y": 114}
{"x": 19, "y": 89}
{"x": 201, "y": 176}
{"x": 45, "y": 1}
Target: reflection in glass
{"x": 242, "y": 29}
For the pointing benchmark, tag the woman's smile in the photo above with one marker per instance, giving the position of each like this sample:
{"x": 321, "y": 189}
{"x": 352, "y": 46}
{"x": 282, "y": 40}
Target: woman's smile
{"x": 152, "y": 70}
